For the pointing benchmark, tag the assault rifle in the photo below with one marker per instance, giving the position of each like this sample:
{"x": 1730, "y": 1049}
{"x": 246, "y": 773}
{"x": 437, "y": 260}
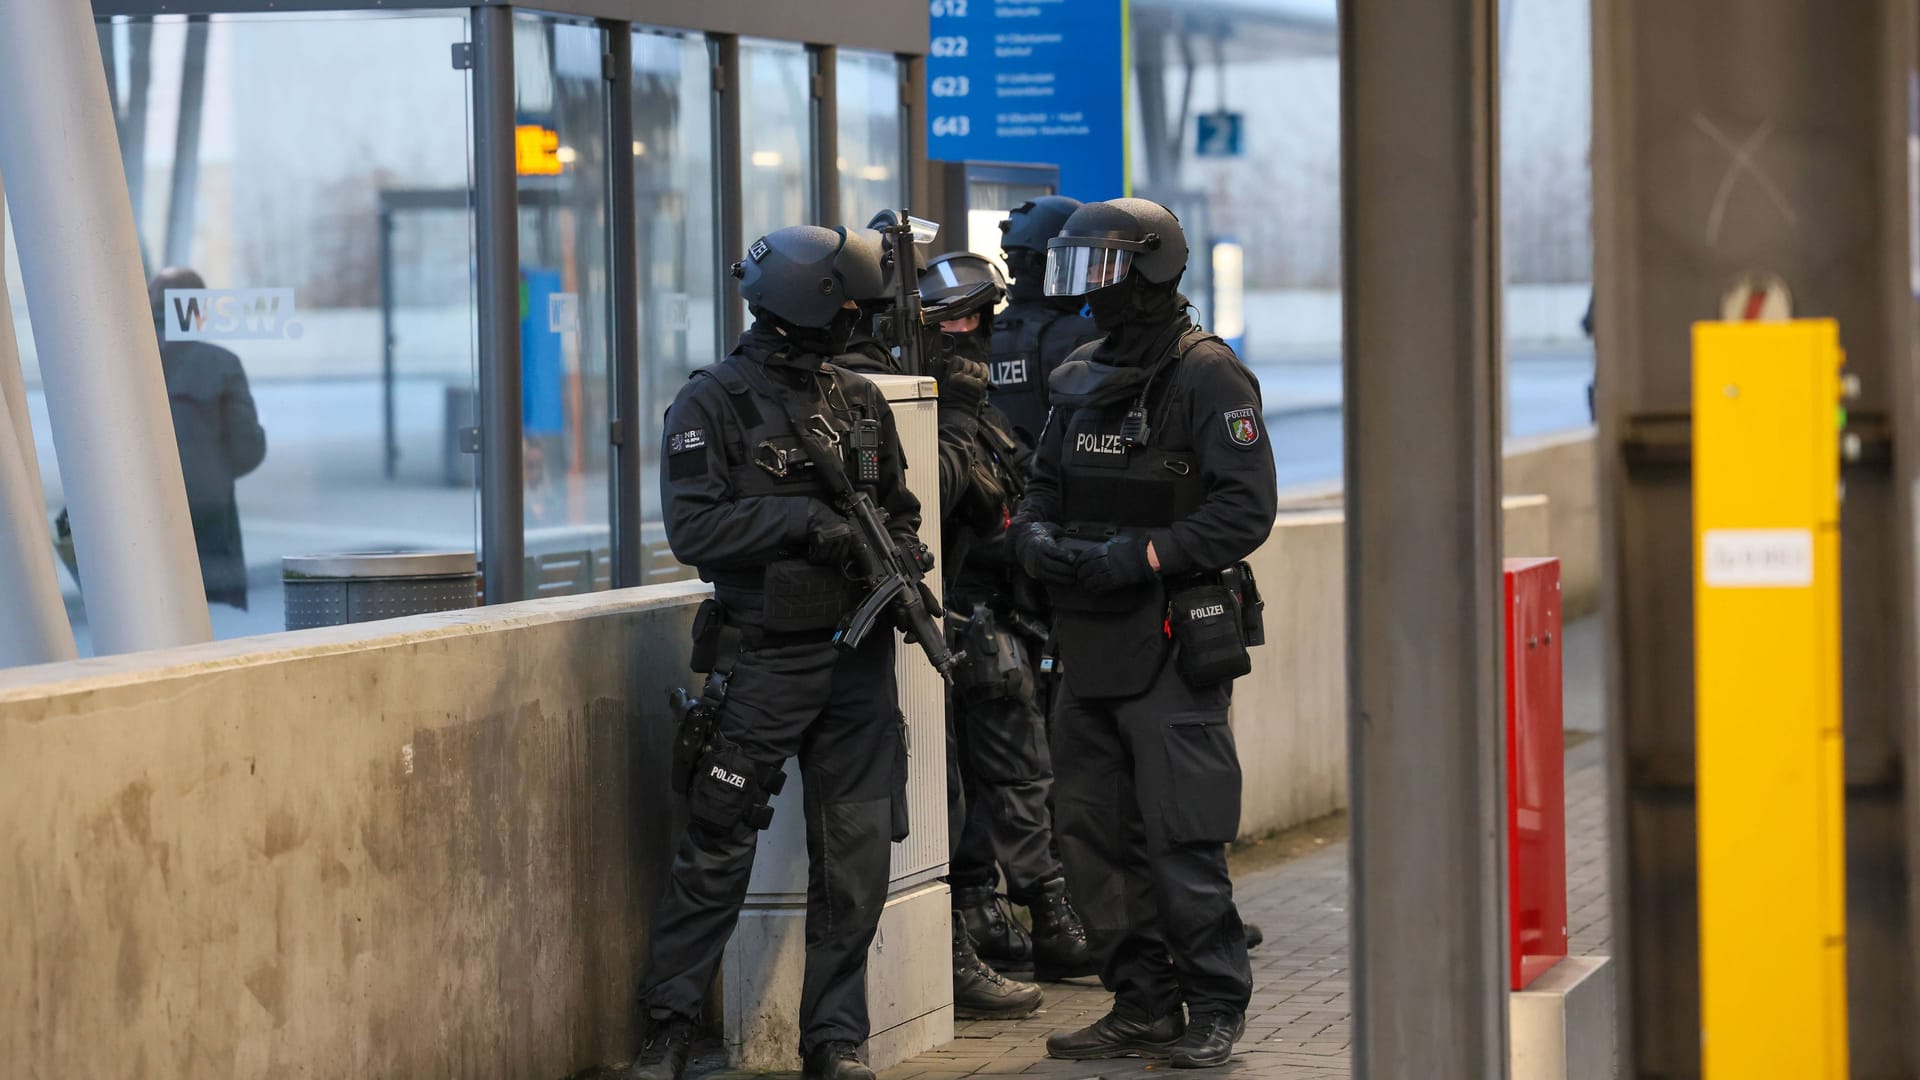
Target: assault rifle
{"x": 903, "y": 231}
{"x": 892, "y": 574}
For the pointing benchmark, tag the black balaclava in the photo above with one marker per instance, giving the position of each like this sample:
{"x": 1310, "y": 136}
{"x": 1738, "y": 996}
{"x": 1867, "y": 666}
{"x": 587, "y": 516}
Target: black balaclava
{"x": 1134, "y": 314}
{"x": 809, "y": 343}
{"x": 1027, "y": 272}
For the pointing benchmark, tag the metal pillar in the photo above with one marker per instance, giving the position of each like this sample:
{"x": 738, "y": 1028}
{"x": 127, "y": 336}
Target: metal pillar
{"x": 133, "y": 119}
{"x": 1419, "y": 100}
{"x": 35, "y": 630}
{"x": 913, "y": 133}
{"x": 1738, "y": 137}
{"x": 496, "y": 227}
{"x": 730, "y": 193}
{"x": 825, "y": 117}
{"x": 623, "y": 279}
{"x": 99, "y": 358}
{"x": 186, "y": 144}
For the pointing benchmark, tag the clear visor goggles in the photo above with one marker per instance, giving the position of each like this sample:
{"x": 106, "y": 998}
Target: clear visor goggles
{"x": 1078, "y": 270}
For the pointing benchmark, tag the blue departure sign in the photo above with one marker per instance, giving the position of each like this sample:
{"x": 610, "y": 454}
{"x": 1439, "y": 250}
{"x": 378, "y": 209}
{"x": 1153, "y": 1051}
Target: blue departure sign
{"x": 1032, "y": 81}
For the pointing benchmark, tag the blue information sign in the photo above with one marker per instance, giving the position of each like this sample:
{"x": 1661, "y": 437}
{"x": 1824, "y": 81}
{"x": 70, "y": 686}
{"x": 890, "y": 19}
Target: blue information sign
{"x": 1219, "y": 134}
{"x": 1032, "y": 81}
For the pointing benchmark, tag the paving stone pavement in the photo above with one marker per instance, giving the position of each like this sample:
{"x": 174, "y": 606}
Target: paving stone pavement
{"x": 1298, "y": 1024}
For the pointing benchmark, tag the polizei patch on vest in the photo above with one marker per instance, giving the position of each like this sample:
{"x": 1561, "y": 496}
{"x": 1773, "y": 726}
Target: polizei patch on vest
{"x": 1243, "y": 425}
{"x": 691, "y": 439}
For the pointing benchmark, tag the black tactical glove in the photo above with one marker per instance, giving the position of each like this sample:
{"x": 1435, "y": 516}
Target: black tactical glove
{"x": 1117, "y": 564}
{"x": 964, "y": 385}
{"x": 1041, "y": 554}
{"x": 831, "y": 538}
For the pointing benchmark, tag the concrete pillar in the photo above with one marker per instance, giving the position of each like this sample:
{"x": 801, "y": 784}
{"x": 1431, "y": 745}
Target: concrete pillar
{"x": 80, "y": 263}
{"x": 1420, "y": 208}
{"x": 35, "y": 630}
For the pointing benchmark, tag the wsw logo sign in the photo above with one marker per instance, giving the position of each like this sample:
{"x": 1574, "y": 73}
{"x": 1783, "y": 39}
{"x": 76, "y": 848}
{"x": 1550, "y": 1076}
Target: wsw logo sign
{"x": 229, "y": 315}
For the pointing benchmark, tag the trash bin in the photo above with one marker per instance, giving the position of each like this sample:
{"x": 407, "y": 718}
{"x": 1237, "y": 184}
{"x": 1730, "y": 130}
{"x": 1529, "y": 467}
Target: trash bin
{"x": 361, "y": 586}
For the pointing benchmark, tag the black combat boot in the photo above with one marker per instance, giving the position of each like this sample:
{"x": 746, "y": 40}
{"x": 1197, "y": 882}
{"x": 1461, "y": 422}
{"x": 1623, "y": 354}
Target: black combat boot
{"x": 663, "y": 1055}
{"x": 1254, "y": 936}
{"x": 997, "y": 937}
{"x": 835, "y": 1061}
{"x": 981, "y": 993}
{"x": 1117, "y": 1036}
{"x": 1208, "y": 1042}
{"x": 1059, "y": 939}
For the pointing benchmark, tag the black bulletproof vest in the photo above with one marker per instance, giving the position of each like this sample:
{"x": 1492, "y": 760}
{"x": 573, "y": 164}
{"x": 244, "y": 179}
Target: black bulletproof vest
{"x": 1019, "y": 364}
{"x": 764, "y": 432}
{"x": 1106, "y": 484}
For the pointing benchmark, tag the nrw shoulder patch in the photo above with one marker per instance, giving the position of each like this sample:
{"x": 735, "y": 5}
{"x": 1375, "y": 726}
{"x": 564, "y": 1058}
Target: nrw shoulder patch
{"x": 682, "y": 441}
{"x": 1243, "y": 425}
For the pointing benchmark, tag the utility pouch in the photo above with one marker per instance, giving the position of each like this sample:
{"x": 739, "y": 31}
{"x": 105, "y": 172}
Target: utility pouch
{"x": 1205, "y": 622}
{"x": 1253, "y": 622}
{"x": 802, "y": 596}
{"x": 707, "y": 625}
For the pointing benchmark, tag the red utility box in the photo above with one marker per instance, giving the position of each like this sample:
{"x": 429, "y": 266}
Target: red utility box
{"x": 1536, "y": 772}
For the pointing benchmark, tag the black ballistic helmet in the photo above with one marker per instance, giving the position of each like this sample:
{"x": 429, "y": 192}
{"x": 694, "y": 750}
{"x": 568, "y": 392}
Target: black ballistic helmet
{"x": 959, "y": 283}
{"x": 1034, "y": 222}
{"x": 1104, "y": 243}
{"x": 802, "y": 274}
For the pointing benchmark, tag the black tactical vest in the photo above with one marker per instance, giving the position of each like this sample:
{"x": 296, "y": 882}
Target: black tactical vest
{"x": 1018, "y": 363}
{"x": 764, "y": 434}
{"x": 1107, "y": 485}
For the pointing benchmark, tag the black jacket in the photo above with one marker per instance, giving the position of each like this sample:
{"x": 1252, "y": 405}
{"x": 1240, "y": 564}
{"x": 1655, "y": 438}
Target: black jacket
{"x": 220, "y": 440}
{"x": 714, "y": 526}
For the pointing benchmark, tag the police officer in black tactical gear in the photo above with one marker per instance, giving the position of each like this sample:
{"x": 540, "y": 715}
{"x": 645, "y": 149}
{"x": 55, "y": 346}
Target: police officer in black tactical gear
{"x": 1036, "y": 332}
{"x": 746, "y": 505}
{"x": 1152, "y": 482}
{"x": 975, "y": 450}
{"x": 998, "y": 615}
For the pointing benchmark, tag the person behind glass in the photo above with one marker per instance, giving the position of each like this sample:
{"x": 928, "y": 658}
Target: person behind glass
{"x": 217, "y": 432}
{"x": 746, "y": 505}
{"x": 1152, "y": 481}
{"x": 1035, "y": 333}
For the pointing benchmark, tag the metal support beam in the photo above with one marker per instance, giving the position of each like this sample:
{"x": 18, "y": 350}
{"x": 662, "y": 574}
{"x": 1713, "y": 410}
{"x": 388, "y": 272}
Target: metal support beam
{"x": 1419, "y": 99}
{"x": 730, "y": 194}
{"x": 623, "y": 280}
{"x": 1736, "y": 138}
{"x": 99, "y": 357}
{"x": 496, "y": 231}
{"x": 913, "y": 134}
{"x": 185, "y": 188}
{"x": 35, "y": 630}
{"x": 825, "y": 113}
{"x": 133, "y": 119}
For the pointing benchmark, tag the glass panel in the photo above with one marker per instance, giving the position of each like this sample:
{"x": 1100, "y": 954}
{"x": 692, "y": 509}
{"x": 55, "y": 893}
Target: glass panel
{"x": 277, "y": 203}
{"x": 674, "y": 218}
{"x": 560, "y": 102}
{"x": 775, "y": 138}
{"x": 1546, "y": 204}
{"x": 871, "y": 175}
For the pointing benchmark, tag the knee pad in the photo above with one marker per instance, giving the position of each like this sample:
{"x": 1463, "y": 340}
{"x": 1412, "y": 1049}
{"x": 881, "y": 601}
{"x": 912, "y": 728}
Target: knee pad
{"x": 728, "y": 787}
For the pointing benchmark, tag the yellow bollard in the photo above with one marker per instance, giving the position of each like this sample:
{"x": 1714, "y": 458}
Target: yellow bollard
{"x": 1771, "y": 790}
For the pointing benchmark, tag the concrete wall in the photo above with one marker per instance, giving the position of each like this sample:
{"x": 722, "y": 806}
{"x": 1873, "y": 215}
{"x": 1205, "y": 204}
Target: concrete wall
{"x": 426, "y": 847}
{"x": 1562, "y": 467}
{"x": 430, "y": 847}
{"x": 1290, "y": 714}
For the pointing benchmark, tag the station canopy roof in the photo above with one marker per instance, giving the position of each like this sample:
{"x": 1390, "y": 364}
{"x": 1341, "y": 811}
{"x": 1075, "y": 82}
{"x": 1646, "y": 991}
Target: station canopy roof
{"x": 1248, "y": 30}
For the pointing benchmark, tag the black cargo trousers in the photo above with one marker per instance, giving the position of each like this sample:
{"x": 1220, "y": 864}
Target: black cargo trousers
{"x": 839, "y": 712}
{"x": 1147, "y": 794}
{"x": 1000, "y": 790}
